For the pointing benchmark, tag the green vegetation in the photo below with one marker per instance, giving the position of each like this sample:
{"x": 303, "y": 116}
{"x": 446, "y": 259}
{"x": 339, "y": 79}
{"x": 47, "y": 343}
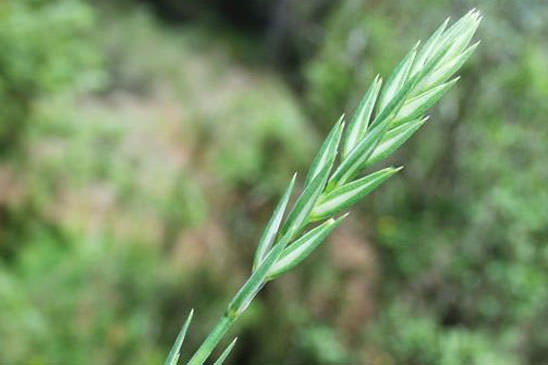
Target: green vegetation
{"x": 41, "y": 54}
{"x": 144, "y": 145}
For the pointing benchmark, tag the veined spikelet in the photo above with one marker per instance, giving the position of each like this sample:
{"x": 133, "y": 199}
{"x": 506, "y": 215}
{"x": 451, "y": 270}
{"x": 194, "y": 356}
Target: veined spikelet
{"x": 386, "y": 117}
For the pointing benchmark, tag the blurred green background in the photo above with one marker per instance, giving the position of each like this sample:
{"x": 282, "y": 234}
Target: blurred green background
{"x": 144, "y": 143}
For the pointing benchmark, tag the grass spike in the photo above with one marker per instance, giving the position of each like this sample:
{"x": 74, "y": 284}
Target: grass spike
{"x": 418, "y": 81}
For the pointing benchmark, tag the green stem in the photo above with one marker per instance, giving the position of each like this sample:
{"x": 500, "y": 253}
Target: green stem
{"x": 239, "y": 303}
{"x": 212, "y": 340}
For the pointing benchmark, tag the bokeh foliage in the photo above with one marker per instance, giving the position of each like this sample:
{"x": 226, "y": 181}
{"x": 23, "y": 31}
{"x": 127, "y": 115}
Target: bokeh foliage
{"x": 41, "y": 54}
{"x": 140, "y": 157}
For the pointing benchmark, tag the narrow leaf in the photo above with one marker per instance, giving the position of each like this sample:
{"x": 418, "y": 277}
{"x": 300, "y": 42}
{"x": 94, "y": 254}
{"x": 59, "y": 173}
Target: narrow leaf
{"x": 299, "y": 250}
{"x": 393, "y": 139}
{"x": 419, "y": 104}
{"x": 226, "y": 352}
{"x": 397, "y": 79}
{"x": 328, "y": 151}
{"x": 360, "y": 120}
{"x": 175, "y": 352}
{"x": 273, "y": 225}
{"x": 346, "y": 195}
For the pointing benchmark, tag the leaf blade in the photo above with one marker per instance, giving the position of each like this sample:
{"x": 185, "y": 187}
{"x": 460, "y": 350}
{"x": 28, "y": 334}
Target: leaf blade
{"x": 175, "y": 352}
{"x": 226, "y": 352}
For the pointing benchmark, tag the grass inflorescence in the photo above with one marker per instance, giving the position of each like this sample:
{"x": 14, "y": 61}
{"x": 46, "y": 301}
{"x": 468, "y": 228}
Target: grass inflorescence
{"x": 387, "y": 116}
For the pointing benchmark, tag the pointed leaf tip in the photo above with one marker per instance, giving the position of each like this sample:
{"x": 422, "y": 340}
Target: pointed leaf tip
{"x": 226, "y": 352}
{"x": 175, "y": 351}
{"x": 361, "y": 117}
{"x": 298, "y": 217}
{"x": 299, "y": 250}
{"x": 327, "y": 153}
{"x": 347, "y": 195}
{"x": 417, "y": 105}
{"x": 397, "y": 79}
{"x": 273, "y": 225}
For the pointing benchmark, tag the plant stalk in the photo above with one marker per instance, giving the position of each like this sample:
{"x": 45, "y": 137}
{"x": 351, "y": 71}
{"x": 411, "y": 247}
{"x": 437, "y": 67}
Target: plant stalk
{"x": 212, "y": 340}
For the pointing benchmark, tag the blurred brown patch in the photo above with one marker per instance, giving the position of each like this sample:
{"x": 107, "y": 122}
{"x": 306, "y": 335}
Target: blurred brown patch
{"x": 353, "y": 255}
